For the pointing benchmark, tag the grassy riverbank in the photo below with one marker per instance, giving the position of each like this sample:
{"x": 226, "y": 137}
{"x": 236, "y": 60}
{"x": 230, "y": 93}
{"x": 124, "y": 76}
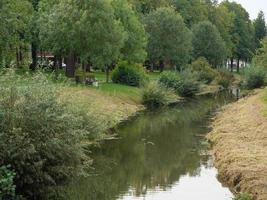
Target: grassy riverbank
{"x": 239, "y": 139}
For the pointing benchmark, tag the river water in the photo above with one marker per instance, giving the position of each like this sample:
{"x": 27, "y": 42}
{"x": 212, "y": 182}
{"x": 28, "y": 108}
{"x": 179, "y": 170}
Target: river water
{"x": 160, "y": 155}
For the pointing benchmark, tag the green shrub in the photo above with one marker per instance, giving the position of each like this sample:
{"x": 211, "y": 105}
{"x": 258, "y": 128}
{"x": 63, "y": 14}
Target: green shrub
{"x": 40, "y": 137}
{"x": 169, "y": 79}
{"x": 129, "y": 74}
{"x": 188, "y": 84}
{"x": 254, "y": 77}
{"x": 224, "y": 78}
{"x": 156, "y": 95}
{"x": 204, "y": 70}
{"x": 7, "y": 187}
{"x": 243, "y": 196}
{"x": 184, "y": 83}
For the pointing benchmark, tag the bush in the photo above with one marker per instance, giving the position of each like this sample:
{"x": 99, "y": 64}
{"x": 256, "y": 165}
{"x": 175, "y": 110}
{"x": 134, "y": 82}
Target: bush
{"x": 243, "y": 196}
{"x": 169, "y": 79}
{"x": 40, "y": 137}
{"x": 204, "y": 70}
{"x": 185, "y": 83}
{"x": 129, "y": 74}
{"x": 7, "y": 187}
{"x": 188, "y": 83}
{"x": 224, "y": 78}
{"x": 156, "y": 95}
{"x": 254, "y": 77}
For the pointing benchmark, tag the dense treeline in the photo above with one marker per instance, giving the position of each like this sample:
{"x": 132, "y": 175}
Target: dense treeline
{"x": 100, "y": 33}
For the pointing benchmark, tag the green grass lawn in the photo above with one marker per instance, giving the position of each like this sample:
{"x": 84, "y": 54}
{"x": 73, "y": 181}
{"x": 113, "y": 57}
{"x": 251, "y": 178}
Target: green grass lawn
{"x": 121, "y": 91}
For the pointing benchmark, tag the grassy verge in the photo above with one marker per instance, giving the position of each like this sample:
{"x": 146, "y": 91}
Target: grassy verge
{"x": 240, "y": 146}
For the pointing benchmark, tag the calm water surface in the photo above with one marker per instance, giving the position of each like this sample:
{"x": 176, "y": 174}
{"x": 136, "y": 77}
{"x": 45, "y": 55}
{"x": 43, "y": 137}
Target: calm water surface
{"x": 158, "y": 156}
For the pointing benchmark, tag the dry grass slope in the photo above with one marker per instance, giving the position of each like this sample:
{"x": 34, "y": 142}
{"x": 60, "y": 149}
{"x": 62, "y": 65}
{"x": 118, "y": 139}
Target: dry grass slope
{"x": 239, "y": 139}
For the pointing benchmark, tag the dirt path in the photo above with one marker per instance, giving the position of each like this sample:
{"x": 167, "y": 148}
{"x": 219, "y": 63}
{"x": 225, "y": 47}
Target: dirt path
{"x": 239, "y": 139}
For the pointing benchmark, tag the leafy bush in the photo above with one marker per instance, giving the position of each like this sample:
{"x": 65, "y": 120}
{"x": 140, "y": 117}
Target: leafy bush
{"x": 185, "y": 83}
{"x": 204, "y": 70}
{"x": 40, "y": 137}
{"x": 224, "y": 78}
{"x": 243, "y": 196}
{"x": 129, "y": 74}
{"x": 254, "y": 77}
{"x": 7, "y": 187}
{"x": 156, "y": 95}
{"x": 169, "y": 79}
{"x": 188, "y": 83}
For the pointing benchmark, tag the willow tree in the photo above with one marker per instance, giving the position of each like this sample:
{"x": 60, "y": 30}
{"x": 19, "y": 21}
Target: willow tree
{"x": 89, "y": 30}
{"x": 169, "y": 38}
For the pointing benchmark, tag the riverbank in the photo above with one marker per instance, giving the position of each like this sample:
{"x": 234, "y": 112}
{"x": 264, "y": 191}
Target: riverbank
{"x": 239, "y": 140}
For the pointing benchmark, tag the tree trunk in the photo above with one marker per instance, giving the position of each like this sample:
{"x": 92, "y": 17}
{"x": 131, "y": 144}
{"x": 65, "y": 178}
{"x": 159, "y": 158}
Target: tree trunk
{"x": 237, "y": 67}
{"x": 161, "y": 65}
{"x": 232, "y": 64}
{"x": 107, "y": 74}
{"x": 70, "y": 65}
{"x": 34, "y": 57}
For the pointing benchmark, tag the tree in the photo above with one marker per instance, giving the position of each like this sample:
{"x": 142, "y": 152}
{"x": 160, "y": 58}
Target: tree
{"x": 15, "y": 18}
{"x": 260, "y": 58}
{"x": 242, "y": 33}
{"x": 223, "y": 19}
{"x": 260, "y": 29}
{"x": 208, "y": 43}
{"x": 192, "y": 11}
{"x": 134, "y": 49}
{"x": 89, "y": 30}
{"x": 169, "y": 38}
{"x": 146, "y": 6}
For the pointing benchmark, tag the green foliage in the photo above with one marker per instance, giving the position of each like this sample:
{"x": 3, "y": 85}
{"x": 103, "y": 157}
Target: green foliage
{"x": 169, "y": 79}
{"x": 7, "y": 187}
{"x": 188, "y": 84}
{"x": 156, "y": 95}
{"x": 15, "y": 17}
{"x": 254, "y": 77}
{"x": 243, "y": 196}
{"x": 260, "y": 29}
{"x": 242, "y": 31}
{"x": 224, "y": 78}
{"x": 185, "y": 83}
{"x": 89, "y": 29}
{"x": 204, "y": 70}
{"x": 212, "y": 47}
{"x": 169, "y": 38}
{"x": 134, "y": 49}
{"x": 260, "y": 59}
{"x": 40, "y": 137}
{"x": 129, "y": 74}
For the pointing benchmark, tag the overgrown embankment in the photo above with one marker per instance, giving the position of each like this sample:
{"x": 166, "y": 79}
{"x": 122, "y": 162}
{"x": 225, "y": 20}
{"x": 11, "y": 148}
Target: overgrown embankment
{"x": 239, "y": 139}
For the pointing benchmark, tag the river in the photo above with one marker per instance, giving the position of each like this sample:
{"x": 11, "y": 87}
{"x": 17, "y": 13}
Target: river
{"x": 160, "y": 155}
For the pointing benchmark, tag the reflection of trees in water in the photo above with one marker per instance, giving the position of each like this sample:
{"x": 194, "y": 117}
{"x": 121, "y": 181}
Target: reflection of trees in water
{"x": 155, "y": 150}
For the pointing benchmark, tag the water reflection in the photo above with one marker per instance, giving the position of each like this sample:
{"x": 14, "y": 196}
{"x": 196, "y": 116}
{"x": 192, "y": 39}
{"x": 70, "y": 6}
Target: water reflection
{"x": 160, "y": 155}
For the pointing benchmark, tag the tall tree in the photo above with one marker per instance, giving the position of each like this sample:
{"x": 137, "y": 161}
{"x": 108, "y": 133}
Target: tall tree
{"x": 242, "y": 33}
{"x": 208, "y": 43}
{"x": 87, "y": 29}
{"x": 260, "y": 28}
{"x": 15, "y": 19}
{"x": 134, "y": 49}
{"x": 260, "y": 59}
{"x": 169, "y": 38}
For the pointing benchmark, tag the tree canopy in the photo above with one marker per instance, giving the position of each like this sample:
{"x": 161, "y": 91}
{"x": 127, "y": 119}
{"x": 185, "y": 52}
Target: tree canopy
{"x": 169, "y": 38}
{"x": 208, "y": 43}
